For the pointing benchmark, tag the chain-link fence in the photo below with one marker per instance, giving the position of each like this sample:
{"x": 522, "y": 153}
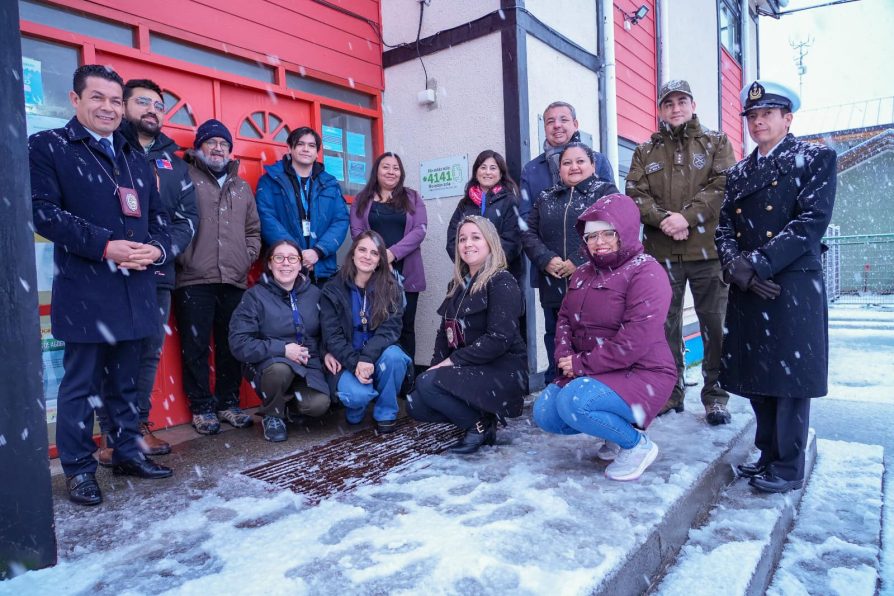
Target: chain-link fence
{"x": 859, "y": 269}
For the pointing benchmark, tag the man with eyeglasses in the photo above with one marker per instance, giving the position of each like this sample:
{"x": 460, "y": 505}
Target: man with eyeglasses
{"x": 212, "y": 274}
{"x": 143, "y": 114}
{"x": 677, "y": 180}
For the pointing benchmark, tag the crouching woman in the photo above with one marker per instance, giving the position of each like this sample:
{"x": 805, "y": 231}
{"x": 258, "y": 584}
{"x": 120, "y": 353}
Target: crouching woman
{"x": 362, "y": 310}
{"x": 275, "y": 333}
{"x": 614, "y": 367}
{"x": 479, "y": 369}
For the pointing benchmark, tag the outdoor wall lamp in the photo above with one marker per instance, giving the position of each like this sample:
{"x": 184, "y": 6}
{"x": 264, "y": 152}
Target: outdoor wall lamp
{"x": 636, "y": 17}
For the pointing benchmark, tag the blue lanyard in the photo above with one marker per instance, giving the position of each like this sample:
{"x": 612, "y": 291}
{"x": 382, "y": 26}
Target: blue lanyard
{"x": 296, "y": 318}
{"x": 304, "y": 191}
{"x": 483, "y": 202}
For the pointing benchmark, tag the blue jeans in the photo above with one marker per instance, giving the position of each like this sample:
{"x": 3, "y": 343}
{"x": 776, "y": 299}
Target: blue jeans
{"x": 587, "y": 406}
{"x": 391, "y": 368}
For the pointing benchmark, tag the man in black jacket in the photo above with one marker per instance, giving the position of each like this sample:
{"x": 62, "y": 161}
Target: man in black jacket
{"x": 144, "y": 111}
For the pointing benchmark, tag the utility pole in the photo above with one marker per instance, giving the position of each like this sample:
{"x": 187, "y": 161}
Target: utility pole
{"x": 801, "y": 49}
{"x": 27, "y": 538}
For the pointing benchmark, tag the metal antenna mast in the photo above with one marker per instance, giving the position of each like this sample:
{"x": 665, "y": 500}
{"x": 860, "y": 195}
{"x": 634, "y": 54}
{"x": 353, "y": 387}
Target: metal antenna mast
{"x": 801, "y": 49}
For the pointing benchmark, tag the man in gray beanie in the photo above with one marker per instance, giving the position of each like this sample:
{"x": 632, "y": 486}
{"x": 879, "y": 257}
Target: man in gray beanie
{"x": 211, "y": 277}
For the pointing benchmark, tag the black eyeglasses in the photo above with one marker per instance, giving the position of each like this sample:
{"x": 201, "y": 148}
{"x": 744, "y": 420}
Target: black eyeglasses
{"x": 145, "y": 102}
{"x": 292, "y": 259}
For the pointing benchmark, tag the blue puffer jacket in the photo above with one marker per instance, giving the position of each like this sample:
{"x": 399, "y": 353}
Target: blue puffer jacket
{"x": 279, "y": 213}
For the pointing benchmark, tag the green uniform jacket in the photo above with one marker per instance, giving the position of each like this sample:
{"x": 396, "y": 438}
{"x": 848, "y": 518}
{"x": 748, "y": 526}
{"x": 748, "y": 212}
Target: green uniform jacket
{"x": 680, "y": 170}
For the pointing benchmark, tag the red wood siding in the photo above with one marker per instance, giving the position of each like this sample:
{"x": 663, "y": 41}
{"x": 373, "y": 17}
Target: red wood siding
{"x": 730, "y": 108}
{"x": 298, "y": 33}
{"x": 636, "y": 72}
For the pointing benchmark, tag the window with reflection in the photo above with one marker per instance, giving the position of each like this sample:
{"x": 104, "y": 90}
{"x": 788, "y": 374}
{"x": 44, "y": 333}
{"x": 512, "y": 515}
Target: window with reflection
{"x": 347, "y": 148}
{"x": 47, "y": 69}
{"x": 730, "y": 29}
{"x": 76, "y": 22}
{"x": 264, "y": 126}
{"x": 177, "y": 111}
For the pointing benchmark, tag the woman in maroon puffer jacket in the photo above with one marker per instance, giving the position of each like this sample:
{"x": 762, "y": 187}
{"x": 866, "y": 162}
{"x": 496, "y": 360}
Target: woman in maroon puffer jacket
{"x": 614, "y": 367}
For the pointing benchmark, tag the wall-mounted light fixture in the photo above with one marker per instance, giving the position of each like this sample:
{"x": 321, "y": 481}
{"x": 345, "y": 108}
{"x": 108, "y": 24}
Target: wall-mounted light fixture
{"x": 636, "y": 17}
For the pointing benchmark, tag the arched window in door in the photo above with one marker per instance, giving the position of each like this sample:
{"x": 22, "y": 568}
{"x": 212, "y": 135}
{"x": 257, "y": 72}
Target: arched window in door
{"x": 264, "y": 126}
{"x": 177, "y": 111}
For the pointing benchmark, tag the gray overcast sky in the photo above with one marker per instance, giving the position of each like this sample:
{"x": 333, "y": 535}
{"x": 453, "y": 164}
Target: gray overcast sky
{"x": 852, "y": 56}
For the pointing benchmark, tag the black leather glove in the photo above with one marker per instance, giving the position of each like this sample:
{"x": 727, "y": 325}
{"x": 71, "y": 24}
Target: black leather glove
{"x": 740, "y": 271}
{"x": 768, "y": 290}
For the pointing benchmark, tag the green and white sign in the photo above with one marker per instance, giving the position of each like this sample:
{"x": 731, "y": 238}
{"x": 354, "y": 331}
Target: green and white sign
{"x": 443, "y": 177}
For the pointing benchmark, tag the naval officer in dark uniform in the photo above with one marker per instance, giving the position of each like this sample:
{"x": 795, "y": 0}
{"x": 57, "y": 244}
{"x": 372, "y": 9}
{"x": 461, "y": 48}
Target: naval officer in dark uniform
{"x": 777, "y": 205}
{"x": 95, "y": 198}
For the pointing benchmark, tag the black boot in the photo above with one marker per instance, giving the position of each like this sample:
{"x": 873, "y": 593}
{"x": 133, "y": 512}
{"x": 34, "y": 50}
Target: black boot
{"x": 483, "y": 433}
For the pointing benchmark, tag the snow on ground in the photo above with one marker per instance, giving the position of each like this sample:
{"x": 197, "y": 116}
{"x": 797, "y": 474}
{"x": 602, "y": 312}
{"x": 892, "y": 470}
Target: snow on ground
{"x": 534, "y": 516}
{"x": 861, "y": 354}
{"x": 833, "y": 548}
{"x": 531, "y": 517}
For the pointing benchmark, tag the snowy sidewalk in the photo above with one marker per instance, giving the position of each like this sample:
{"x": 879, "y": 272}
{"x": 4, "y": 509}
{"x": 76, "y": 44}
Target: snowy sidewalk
{"x": 531, "y": 517}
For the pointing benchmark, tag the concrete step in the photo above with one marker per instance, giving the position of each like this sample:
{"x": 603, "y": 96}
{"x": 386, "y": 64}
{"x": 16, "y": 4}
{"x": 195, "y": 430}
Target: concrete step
{"x": 735, "y": 549}
{"x": 835, "y": 545}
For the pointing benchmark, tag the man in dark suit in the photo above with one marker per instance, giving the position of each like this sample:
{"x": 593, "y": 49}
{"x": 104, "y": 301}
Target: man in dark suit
{"x": 777, "y": 206}
{"x": 96, "y": 199}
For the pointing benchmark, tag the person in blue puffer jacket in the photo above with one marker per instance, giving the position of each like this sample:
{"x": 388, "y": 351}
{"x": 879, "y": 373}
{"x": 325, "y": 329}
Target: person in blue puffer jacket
{"x": 299, "y": 201}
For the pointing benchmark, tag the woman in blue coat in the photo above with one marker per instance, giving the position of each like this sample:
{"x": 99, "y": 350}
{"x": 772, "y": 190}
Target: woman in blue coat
{"x": 299, "y": 201}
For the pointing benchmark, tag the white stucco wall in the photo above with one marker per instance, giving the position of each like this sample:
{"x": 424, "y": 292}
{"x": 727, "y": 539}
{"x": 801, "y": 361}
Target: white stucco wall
{"x": 468, "y": 119}
{"x": 692, "y": 47}
{"x": 400, "y": 18}
{"x": 553, "y": 77}
{"x": 575, "y": 19}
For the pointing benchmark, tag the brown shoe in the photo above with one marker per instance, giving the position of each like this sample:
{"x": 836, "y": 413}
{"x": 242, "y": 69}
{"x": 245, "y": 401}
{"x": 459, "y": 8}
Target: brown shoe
{"x": 150, "y": 444}
{"x": 104, "y": 455}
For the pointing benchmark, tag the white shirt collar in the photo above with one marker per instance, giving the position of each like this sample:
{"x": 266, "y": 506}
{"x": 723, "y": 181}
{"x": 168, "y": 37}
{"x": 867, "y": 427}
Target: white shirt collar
{"x": 772, "y": 149}
{"x": 98, "y": 136}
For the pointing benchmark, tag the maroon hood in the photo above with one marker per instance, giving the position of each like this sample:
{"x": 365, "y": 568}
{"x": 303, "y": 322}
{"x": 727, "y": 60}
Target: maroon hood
{"x": 623, "y": 214}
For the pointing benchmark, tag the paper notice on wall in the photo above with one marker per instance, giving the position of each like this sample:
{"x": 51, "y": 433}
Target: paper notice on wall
{"x": 33, "y": 84}
{"x": 43, "y": 252}
{"x": 356, "y": 144}
{"x": 335, "y": 165}
{"x": 332, "y": 139}
{"x": 357, "y": 172}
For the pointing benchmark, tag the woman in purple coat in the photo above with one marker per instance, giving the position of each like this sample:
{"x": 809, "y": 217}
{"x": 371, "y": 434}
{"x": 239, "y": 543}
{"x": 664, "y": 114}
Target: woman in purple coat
{"x": 614, "y": 367}
{"x": 397, "y": 213}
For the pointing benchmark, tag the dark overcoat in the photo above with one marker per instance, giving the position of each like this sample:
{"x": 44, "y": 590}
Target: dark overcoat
{"x": 490, "y": 371}
{"x": 550, "y": 232}
{"x": 501, "y": 209}
{"x": 775, "y": 214}
{"x": 337, "y": 317}
{"x": 263, "y": 324}
{"x": 76, "y": 206}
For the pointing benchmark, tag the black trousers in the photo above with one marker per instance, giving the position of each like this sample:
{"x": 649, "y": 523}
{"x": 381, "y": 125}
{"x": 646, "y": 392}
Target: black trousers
{"x": 407, "y": 339}
{"x": 97, "y": 376}
{"x": 200, "y": 311}
{"x": 781, "y": 435}
{"x": 430, "y": 403}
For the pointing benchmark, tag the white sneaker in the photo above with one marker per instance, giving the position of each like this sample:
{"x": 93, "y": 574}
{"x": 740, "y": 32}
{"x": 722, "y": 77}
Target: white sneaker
{"x": 608, "y": 451}
{"x": 631, "y": 463}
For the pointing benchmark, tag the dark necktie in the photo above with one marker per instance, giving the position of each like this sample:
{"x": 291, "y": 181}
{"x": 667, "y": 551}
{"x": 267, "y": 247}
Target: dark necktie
{"x": 107, "y": 149}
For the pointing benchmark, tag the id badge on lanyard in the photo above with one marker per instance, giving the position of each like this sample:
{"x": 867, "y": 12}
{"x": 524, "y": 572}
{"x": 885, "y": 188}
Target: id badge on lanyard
{"x": 305, "y": 202}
